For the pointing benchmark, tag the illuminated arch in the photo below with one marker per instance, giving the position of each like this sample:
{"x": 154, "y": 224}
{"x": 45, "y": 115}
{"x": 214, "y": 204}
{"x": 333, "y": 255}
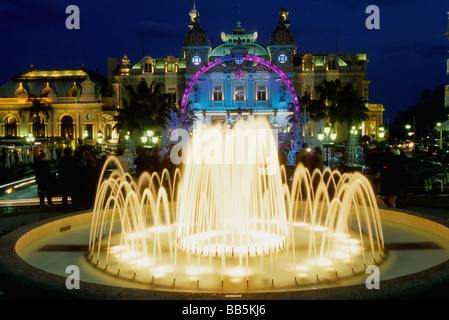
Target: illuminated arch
{"x": 247, "y": 57}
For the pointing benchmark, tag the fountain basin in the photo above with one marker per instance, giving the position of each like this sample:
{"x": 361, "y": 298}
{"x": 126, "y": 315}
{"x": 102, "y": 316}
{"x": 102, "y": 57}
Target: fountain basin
{"x": 34, "y": 258}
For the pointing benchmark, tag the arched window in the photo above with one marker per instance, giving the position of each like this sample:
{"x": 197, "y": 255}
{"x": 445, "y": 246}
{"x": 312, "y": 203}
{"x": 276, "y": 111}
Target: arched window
{"x": 10, "y": 127}
{"x": 67, "y": 127}
{"x": 39, "y": 126}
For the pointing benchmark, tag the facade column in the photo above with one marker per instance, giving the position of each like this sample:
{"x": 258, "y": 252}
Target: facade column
{"x": 77, "y": 126}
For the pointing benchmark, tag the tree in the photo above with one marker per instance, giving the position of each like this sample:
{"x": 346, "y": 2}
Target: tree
{"x": 424, "y": 114}
{"x": 316, "y": 108}
{"x": 143, "y": 108}
{"x": 39, "y": 106}
{"x": 328, "y": 92}
{"x": 350, "y": 107}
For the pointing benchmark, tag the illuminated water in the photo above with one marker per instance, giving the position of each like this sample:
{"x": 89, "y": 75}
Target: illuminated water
{"x": 233, "y": 220}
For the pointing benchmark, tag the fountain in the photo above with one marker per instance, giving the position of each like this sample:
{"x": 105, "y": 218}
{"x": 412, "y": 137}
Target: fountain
{"x": 233, "y": 222}
{"x": 230, "y": 224}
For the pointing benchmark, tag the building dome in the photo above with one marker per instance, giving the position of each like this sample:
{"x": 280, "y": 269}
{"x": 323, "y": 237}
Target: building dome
{"x": 282, "y": 35}
{"x": 196, "y": 37}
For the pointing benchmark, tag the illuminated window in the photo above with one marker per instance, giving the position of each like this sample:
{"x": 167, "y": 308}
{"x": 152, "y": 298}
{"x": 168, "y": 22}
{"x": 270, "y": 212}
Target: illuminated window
{"x": 307, "y": 65}
{"x": 11, "y": 127}
{"x": 217, "y": 93}
{"x": 67, "y": 127}
{"x": 282, "y": 58}
{"x": 239, "y": 93}
{"x": 196, "y": 60}
{"x": 171, "y": 67}
{"x": 261, "y": 94}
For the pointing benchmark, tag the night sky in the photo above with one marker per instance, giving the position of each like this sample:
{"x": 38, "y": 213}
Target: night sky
{"x": 407, "y": 54}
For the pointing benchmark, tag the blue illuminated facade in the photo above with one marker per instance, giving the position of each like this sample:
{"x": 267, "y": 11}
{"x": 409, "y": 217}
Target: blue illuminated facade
{"x": 237, "y": 88}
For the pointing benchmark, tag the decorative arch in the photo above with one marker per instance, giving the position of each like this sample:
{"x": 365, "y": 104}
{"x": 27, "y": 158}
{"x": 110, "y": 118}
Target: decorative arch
{"x": 247, "y": 57}
{"x": 11, "y": 123}
{"x": 67, "y": 126}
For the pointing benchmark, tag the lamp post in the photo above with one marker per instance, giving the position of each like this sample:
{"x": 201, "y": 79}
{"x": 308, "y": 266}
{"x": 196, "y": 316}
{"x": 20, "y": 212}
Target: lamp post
{"x": 100, "y": 137}
{"x": 327, "y": 139}
{"x": 30, "y": 138}
{"x": 440, "y": 142}
{"x": 410, "y": 133}
{"x": 381, "y": 132}
{"x": 154, "y": 140}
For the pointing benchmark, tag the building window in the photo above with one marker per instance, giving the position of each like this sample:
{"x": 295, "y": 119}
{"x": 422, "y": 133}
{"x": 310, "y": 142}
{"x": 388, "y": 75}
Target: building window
{"x": 67, "y": 127}
{"x": 147, "y": 67}
{"x": 196, "y": 60}
{"x": 11, "y": 127}
{"x": 331, "y": 65}
{"x": 307, "y": 65}
{"x": 308, "y": 91}
{"x": 239, "y": 93}
{"x": 39, "y": 126}
{"x": 217, "y": 93}
{"x": 261, "y": 94}
{"x": 89, "y": 131}
{"x": 282, "y": 58}
{"x": 171, "y": 67}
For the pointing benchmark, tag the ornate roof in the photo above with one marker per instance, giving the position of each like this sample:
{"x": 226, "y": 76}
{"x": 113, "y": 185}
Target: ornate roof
{"x": 60, "y": 81}
{"x": 282, "y": 35}
{"x": 239, "y": 41}
{"x": 196, "y": 35}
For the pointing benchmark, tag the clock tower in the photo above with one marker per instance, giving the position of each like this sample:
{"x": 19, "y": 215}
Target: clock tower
{"x": 197, "y": 45}
{"x": 282, "y": 45}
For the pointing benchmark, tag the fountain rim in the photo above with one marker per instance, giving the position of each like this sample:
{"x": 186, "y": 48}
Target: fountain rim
{"x": 34, "y": 280}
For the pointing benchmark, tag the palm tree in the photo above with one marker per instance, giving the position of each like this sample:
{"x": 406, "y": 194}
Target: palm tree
{"x": 316, "y": 108}
{"x": 144, "y": 107}
{"x": 350, "y": 107}
{"x": 39, "y": 106}
{"x": 328, "y": 92}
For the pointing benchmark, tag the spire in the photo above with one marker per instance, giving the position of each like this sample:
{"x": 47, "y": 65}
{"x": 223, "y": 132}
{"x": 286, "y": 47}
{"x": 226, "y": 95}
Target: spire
{"x": 239, "y": 29}
{"x": 194, "y": 16}
{"x": 283, "y": 16}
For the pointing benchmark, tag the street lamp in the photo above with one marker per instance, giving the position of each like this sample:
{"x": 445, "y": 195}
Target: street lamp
{"x": 440, "y": 144}
{"x": 100, "y": 137}
{"x": 85, "y": 134}
{"x": 381, "y": 132}
{"x": 30, "y": 138}
{"x": 144, "y": 139}
{"x": 328, "y": 140}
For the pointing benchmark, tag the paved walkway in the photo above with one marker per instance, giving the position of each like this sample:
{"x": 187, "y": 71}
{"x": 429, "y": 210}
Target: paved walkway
{"x": 12, "y": 221}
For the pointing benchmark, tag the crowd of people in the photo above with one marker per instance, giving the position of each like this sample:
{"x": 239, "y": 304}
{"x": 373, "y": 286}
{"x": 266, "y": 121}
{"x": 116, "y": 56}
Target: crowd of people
{"x": 74, "y": 175}
{"x": 310, "y": 159}
{"x": 78, "y": 173}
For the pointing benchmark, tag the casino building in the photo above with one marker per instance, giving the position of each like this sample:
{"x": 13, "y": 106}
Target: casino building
{"x": 235, "y": 89}
{"x": 220, "y": 90}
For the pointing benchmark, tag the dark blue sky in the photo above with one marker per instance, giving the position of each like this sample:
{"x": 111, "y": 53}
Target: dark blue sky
{"x": 407, "y": 54}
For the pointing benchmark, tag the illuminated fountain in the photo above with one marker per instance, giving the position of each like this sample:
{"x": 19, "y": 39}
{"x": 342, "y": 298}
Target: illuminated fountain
{"x": 233, "y": 222}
